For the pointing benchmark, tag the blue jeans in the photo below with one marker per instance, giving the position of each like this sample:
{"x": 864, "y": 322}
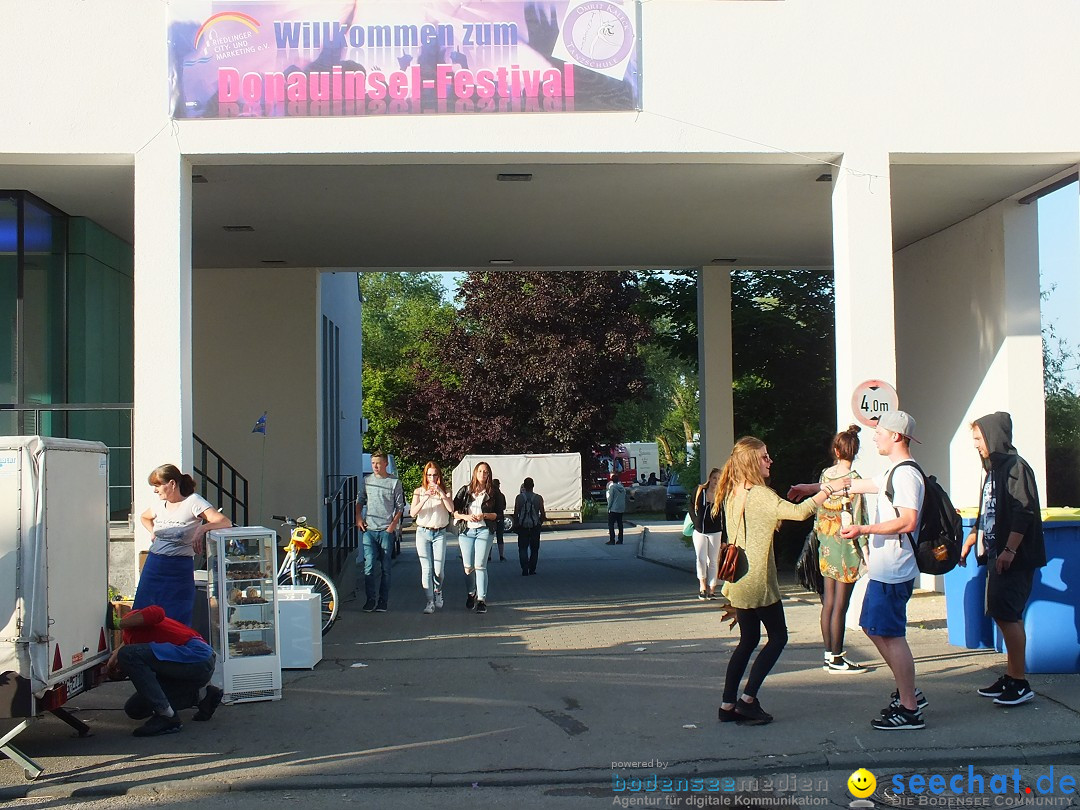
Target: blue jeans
{"x": 161, "y": 683}
{"x": 475, "y": 545}
{"x": 378, "y": 544}
{"x": 431, "y": 549}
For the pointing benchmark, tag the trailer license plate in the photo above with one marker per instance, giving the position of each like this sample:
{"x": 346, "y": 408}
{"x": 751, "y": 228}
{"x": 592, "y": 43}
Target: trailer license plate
{"x": 75, "y": 684}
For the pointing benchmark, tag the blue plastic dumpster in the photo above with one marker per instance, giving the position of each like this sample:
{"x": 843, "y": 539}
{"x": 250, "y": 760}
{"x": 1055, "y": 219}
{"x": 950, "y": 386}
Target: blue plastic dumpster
{"x": 1052, "y": 618}
{"x": 965, "y": 603}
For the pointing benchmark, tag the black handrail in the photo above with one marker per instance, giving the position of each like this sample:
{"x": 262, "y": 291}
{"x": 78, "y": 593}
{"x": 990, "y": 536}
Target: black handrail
{"x": 212, "y": 470}
{"x": 342, "y": 536}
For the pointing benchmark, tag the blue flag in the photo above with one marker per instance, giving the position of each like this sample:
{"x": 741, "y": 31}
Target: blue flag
{"x": 260, "y": 424}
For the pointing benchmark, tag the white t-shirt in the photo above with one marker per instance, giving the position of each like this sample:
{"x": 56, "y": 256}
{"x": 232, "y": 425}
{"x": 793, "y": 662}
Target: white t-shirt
{"x": 476, "y": 507}
{"x": 891, "y": 557}
{"x": 175, "y": 526}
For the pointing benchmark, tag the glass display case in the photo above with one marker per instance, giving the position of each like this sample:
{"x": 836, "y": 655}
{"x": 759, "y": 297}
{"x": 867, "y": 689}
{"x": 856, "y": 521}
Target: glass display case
{"x": 241, "y": 588}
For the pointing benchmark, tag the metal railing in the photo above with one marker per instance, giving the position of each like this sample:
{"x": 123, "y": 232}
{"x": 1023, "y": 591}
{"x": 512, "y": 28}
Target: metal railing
{"x": 220, "y": 482}
{"x": 342, "y": 536}
{"x": 29, "y": 422}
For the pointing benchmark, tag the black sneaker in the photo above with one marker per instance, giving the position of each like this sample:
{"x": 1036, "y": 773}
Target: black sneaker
{"x": 727, "y": 715}
{"x": 996, "y": 688}
{"x": 369, "y": 606}
{"x": 481, "y": 606}
{"x": 159, "y": 725}
{"x": 1014, "y": 693}
{"x": 208, "y": 705}
{"x": 899, "y": 720}
{"x": 751, "y": 714}
{"x": 470, "y": 601}
{"x": 894, "y": 702}
{"x": 381, "y": 607}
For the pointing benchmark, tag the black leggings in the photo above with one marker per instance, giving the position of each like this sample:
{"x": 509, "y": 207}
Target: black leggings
{"x": 750, "y": 621}
{"x": 834, "y": 605}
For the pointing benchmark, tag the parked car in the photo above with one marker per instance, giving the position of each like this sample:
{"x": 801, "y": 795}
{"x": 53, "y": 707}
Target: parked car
{"x": 675, "y": 505}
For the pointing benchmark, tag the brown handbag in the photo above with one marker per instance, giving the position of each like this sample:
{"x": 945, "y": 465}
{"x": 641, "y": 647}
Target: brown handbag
{"x": 731, "y": 561}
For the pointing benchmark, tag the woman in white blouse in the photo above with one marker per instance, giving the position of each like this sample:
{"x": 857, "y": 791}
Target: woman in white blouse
{"x": 431, "y": 509}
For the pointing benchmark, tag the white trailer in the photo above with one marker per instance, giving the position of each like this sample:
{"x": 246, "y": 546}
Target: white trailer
{"x": 645, "y": 456}
{"x": 556, "y": 476}
{"x": 54, "y": 579}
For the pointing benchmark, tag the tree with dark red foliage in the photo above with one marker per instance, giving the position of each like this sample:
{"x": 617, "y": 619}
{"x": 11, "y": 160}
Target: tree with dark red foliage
{"x": 536, "y": 362}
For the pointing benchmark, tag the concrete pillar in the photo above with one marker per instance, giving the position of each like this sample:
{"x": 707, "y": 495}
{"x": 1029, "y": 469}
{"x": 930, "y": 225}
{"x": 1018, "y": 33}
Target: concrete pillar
{"x": 863, "y": 268}
{"x": 714, "y": 367}
{"x": 162, "y": 351}
{"x": 1022, "y": 347}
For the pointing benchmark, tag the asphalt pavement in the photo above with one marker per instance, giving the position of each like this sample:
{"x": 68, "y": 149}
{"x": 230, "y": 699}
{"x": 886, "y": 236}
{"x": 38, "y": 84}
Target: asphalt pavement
{"x": 601, "y": 669}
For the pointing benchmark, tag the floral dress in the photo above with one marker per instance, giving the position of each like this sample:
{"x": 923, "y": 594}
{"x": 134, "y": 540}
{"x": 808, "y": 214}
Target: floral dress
{"x": 838, "y": 558}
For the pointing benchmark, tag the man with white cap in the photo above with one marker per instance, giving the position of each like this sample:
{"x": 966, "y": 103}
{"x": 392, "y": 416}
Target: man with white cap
{"x": 891, "y": 564}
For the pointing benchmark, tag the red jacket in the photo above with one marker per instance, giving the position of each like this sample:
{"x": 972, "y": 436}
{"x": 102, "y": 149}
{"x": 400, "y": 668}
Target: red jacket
{"x": 158, "y": 627}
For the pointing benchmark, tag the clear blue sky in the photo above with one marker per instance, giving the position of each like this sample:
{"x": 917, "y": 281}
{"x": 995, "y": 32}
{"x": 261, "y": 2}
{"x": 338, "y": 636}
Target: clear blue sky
{"x": 1059, "y": 266}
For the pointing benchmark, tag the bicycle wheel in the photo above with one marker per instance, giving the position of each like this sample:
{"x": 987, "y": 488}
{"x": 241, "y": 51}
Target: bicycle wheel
{"x": 327, "y": 591}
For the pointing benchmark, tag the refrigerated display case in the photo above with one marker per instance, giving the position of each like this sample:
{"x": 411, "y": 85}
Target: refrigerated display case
{"x": 241, "y": 568}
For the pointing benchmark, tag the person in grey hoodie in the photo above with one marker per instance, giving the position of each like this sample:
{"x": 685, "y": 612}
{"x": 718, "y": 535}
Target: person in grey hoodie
{"x": 1008, "y": 539}
{"x": 616, "y": 505}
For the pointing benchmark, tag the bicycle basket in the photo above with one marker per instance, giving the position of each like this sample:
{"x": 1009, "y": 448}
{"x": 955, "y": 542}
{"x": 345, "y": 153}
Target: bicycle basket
{"x": 305, "y": 537}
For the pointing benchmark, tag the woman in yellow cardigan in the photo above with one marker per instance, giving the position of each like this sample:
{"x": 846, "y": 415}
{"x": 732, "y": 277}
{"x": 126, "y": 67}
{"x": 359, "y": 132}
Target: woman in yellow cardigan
{"x": 753, "y": 513}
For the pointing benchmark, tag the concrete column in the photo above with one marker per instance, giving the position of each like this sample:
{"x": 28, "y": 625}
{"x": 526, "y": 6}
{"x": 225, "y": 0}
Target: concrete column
{"x": 714, "y": 366}
{"x": 162, "y": 351}
{"x": 863, "y": 268}
{"x": 1022, "y": 347}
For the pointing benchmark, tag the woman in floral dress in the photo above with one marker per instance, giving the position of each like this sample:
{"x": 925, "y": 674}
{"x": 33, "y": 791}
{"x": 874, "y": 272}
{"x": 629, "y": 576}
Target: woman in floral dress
{"x": 840, "y": 560}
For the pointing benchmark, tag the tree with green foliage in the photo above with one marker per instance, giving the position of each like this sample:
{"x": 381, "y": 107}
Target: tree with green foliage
{"x": 1062, "y": 421}
{"x": 534, "y": 362}
{"x": 404, "y": 319}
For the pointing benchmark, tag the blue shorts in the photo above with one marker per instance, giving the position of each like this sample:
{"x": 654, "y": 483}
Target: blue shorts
{"x": 884, "y": 608}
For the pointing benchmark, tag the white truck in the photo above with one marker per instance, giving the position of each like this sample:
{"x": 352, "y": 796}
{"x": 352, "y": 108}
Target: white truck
{"x": 556, "y": 476}
{"x": 645, "y": 458}
{"x": 54, "y": 579}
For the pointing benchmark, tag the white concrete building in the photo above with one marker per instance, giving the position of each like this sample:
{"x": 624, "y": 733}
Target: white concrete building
{"x": 898, "y": 144}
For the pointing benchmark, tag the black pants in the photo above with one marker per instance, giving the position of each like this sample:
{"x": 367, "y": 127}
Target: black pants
{"x": 750, "y": 621}
{"x": 528, "y": 548}
{"x": 612, "y": 519}
{"x": 499, "y": 518}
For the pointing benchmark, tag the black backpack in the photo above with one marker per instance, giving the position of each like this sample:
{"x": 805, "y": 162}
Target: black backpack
{"x": 941, "y": 531}
{"x": 528, "y": 518}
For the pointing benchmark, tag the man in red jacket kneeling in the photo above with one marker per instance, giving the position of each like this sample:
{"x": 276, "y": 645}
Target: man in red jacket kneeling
{"x": 170, "y": 666}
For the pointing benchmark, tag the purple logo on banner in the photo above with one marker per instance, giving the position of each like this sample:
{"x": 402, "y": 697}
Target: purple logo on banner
{"x": 282, "y": 59}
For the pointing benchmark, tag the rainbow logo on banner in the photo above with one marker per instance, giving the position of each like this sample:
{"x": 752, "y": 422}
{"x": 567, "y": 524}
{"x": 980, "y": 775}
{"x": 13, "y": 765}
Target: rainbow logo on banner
{"x": 226, "y": 16}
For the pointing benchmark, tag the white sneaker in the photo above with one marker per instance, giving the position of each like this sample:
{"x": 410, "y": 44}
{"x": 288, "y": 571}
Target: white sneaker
{"x": 438, "y": 599}
{"x": 429, "y": 608}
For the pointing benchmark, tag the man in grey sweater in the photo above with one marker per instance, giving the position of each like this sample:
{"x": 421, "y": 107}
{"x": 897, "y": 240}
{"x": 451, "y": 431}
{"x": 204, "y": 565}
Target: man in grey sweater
{"x": 378, "y": 513}
{"x": 616, "y": 505}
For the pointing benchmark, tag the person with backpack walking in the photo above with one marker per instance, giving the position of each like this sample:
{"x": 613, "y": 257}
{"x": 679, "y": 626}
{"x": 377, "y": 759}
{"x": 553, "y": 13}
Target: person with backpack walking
{"x": 528, "y": 515}
{"x": 474, "y": 510}
{"x": 1008, "y": 539}
{"x": 891, "y": 563}
{"x": 615, "y": 495}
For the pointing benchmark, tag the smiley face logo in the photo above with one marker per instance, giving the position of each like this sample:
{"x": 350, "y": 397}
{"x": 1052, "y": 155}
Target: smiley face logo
{"x": 861, "y": 783}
